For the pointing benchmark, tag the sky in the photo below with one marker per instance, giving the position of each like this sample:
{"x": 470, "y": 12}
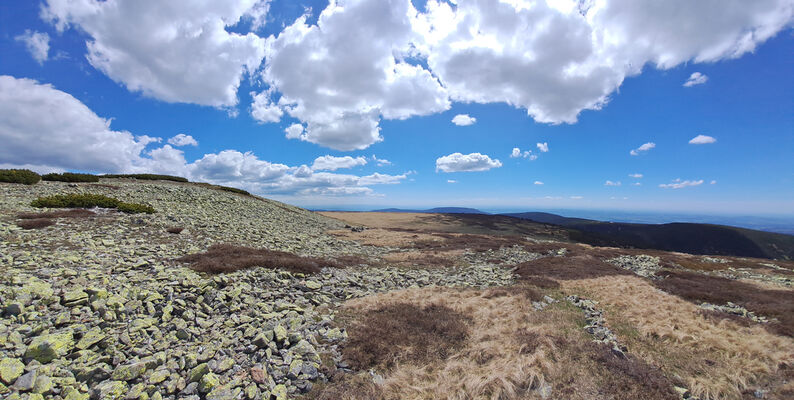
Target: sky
{"x": 518, "y": 105}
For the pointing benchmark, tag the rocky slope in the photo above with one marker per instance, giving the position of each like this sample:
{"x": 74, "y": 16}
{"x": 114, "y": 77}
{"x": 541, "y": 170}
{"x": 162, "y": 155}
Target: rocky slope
{"x": 96, "y": 307}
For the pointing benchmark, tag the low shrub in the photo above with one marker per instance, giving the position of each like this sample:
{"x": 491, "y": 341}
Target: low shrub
{"x": 83, "y": 200}
{"x": 147, "y": 177}
{"x": 404, "y": 332}
{"x": 565, "y": 268}
{"x": 175, "y": 230}
{"x": 23, "y": 176}
{"x": 221, "y": 258}
{"x": 233, "y": 190}
{"x": 134, "y": 208}
{"x": 632, "y": 378}
{"x": 515, "y": 290}
{"x": 88, "y": 200}
{"x": 36, "y": 223}
{"x": 70, "y": 177}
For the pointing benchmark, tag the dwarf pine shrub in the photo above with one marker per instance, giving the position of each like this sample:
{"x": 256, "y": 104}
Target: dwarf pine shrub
{"x": 88, "y": 200}
{"x": 23, "y": 176}
{"x": 70, "y": 177}
{"x": 148, "y": 177}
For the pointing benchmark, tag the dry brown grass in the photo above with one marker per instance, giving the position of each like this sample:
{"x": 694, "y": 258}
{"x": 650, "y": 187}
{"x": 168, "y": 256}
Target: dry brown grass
{"x": 221, "y": 258}
{"x": 716, "y": 359}
{"x": 36, "y": 223}
{"x": 510, "y": 352}
{"x": 384, "y": 237}
{"x": 696, "y": 287}
{"x": 75, "y": 213}
{"x": 421, "y": 259}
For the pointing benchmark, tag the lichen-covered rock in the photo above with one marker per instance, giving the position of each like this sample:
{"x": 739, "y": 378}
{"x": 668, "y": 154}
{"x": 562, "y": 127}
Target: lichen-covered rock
{"x": 111, "y": 390}
{"x": 128, "y": 372}
{"x": 10, "y": 370}
{"x": 46, "y": 348}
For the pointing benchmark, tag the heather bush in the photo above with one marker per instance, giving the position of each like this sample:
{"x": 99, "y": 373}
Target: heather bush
{"x": 70, "y": 177}
{"x": 23, "y": 176}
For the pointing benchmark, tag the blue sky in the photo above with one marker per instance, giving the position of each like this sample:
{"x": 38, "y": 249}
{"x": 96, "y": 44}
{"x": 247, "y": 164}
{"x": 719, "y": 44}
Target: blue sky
{"x": 634, "y": 96}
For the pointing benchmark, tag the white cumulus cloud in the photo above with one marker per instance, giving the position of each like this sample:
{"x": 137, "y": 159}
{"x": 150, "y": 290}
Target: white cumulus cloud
{"x": 645, "y": 147}
{"x": 635, "y": 176}
{"x": 702, "y": 139}
{"x": 457, "y": 162}
{"x": 331, "y": 163}
{"x": 171, "y": 51}
{"x": 679, "y": 184}
{"x": 696, "y": 79}
{"x": 517, "y": 153}
{"x": 294, "y": 131}
{"x": 538, "y": 183}
{"x": 463, "y": 120}
{"x": 543, "y": 147}
{"x": 611, "y": 183}
{"x": 78, "y": 139}
{"x": 37, "y": 44}
{"x": 183, "y": 140}
{"x": 264, "y": 110}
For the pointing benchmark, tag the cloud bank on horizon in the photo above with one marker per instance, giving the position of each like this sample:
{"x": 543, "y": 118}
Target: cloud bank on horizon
{"x": 334, "y": 78}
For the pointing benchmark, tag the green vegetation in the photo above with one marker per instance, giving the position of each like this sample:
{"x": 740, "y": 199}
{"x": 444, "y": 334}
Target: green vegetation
{"x": 87, "y": 200}
{"x": 233, "y": 190}
{"x": 23, "y": 176}
{"x": 147, "y": 177}
{"x": 70, "y": 177}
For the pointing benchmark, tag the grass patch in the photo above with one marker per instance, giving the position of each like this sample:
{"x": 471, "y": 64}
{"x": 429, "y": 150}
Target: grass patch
{"x": 23, "y": 176}
{"x": 222, "y": 258}
{"x": 35, "y": 223}
{"x": 70, "y": 177}
{"x": 516, "y": 290}
{"x": 465, "y": 241}
{"x": 87, "y": 200}
{"x": 566, "y": 268}
{"x": 404, "y": 332}
{"x": 717, "y": 290}
{"x": 147, "y": 177}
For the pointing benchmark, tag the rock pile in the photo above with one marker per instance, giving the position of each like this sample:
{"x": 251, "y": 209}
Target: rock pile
{"x": 596, "y": 324}
{"x": 735, "y": 309}
{"x": 642, "y": 265}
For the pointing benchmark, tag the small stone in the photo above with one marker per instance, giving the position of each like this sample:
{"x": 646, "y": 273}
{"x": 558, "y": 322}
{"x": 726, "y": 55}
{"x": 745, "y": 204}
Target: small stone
{"x": 258, "y": 374}
{"x": 14, "y": 308}
{"x": 26, "y": 382}
{"x": 10, "y": 370}
{"x": 74, "y": 298}
{"x": 314, "y": 285}
{"x": 225, "y": 365}
{"x": 46, "y": 348}
{"x": 208, "y": 382}
{"x": 128, "y": 372}
{"x": 90, "y": 338}
{"x": 221, "y": 394}
{"x": 111, "y": 390}
{"x": 158, "y": 376}
{"x": 43, "y": 384}
{"x": 197, "y": 372}
{"x": 280, "y": 333}
{"x": 279, "y": 392}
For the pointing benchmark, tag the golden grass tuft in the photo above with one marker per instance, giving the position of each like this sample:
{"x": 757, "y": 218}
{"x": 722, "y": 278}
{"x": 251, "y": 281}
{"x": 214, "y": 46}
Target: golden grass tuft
{"x": 716, "y": 359}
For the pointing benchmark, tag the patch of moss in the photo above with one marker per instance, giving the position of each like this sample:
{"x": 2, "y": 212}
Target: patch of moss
{"x": 133, "y": 208}
{"x": 23, "y": 176}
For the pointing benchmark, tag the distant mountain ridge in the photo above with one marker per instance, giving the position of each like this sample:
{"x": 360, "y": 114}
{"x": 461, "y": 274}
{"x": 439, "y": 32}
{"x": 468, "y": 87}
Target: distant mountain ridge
{"x": 439, "y": 210}
{"x": 693, "y": 238}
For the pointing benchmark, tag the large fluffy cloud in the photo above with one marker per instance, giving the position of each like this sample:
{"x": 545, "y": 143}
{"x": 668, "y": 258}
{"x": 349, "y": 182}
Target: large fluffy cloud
{"x": 457, "y": 162}
{"x": 340, "y": 76}
{"x": 172, "y": 51}
{"x": 46, "y": 129}
{"x": 331, "y": 163}
{"x": 40, "y": 125}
